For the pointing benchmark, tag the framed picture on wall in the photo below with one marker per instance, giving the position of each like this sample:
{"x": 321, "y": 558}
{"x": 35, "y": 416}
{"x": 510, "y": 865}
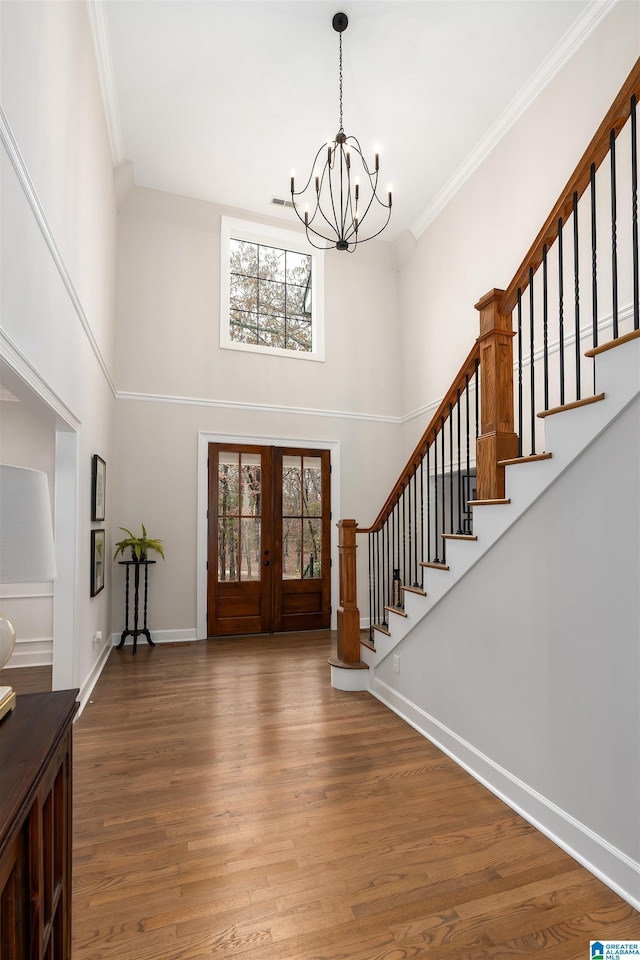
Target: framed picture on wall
{"x": 98, "y": 487}
{"x": 97, "y": 561}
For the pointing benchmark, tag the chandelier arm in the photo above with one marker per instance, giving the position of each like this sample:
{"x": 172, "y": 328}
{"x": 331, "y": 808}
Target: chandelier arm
{"x": 378, "y": 232}
{"x": 361, "y": 220}
{"x": 333, "y": 225}
{"x": 299, "y": 193}
{"x": 355, "y": 144}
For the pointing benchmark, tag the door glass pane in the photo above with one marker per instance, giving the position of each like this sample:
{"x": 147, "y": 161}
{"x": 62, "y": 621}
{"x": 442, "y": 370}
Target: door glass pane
{"x": 291, "y": 549}
{"x": 228, "y": 548}
{"x": 312, "y": 549}
{"x": 250, "y": 548}
{"x": 228, "y": 473}
{"x": 291, "y": 486}
{"x": 251, "y": 483}
{"x": 312, "y": 487}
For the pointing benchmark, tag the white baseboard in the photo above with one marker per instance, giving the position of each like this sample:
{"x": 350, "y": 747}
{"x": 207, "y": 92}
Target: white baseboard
{"x": 188, "y": 635}
{"x": 32, "y": 652}
{"x": 92, "y": 677}
{"x": 617, "y": 870}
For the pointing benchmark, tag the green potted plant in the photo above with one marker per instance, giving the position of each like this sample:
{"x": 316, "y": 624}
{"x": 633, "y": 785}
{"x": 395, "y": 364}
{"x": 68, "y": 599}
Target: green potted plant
{"x": 138, "y": 545}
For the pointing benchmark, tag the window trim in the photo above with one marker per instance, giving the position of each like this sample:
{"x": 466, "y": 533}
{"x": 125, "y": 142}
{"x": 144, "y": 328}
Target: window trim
{"x": 285, "y": 240}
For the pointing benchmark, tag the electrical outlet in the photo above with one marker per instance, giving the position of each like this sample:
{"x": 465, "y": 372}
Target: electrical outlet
{"x": 97, "y": 637}
{"x": 396, "y": 663}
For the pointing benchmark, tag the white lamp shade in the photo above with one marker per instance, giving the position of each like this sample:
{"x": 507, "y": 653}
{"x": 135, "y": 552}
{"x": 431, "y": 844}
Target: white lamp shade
{"x": 26, "y": 536}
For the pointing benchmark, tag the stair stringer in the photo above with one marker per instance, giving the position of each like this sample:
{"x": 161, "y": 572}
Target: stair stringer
{"x": 567, "y": 435}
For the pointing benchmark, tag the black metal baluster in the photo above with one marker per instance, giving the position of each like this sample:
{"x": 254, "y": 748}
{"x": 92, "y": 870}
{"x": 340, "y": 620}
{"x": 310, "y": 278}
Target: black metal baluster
{"x": 444, "y": 505}
{"x": 399, "y": 564}
{"x": 415, "y": 538}
{"x": 466, "y": 504}
{"x": 532, "y": 387}
{"x": 410, "y": 559}
{"x": 477, "y": 383}
{"x": 385, "y": 563}
{"x": 388, "y": 563}
{"x": 576, "y": 284}
{"x": 634, "y": 214}
{"x": 460, "y": 530}
{"x": 404, "y": 538}
{"x": 428, "y": 504}
{"x": 451, "y": 523}
{"x": 435, "y": 512}
{"x": 594, "y": 262}
{"x": 393, "y": 539}
{"x": 371, "y": 586}
{"x": 421, "y": 519}
{"x": 614, "y": 234}
{"x": 561, "y": 309}
{"x": 520, "y": 413}
{"x": 382, "y": 611}
{"x": 545, "y": 327}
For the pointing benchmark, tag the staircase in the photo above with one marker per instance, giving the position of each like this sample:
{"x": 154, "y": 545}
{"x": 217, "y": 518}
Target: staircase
{"x": 568, "y": 433}
{"x": 505, "y": 624}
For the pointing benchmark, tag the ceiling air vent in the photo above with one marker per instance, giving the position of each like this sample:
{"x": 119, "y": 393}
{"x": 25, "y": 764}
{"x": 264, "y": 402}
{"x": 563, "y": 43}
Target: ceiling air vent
{"x": 281, "y": 203}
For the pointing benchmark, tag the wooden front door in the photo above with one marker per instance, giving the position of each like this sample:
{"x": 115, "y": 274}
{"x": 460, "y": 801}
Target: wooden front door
{"x": 268, "y": 539}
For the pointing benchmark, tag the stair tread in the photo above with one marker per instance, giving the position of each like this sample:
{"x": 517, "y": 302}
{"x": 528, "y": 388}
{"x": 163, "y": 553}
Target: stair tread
{"x": 458, "y": 536}
{"x": 433, "y": 566}
{"x": 381, "y": 629}
{"x": 482, "y": 503}
{"x": 610, "y": 344}
{"x": 530, "y": 459}
{"x": 417, "y": 590}
{"x": 367, "y": 643}
{"x": 571, "y": 406}
{"x": 398, "y": 610}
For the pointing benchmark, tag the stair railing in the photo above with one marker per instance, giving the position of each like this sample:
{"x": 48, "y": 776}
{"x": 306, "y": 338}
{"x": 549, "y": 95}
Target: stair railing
{"x": 577, "y": 287}
{"x": 463, "y": 452}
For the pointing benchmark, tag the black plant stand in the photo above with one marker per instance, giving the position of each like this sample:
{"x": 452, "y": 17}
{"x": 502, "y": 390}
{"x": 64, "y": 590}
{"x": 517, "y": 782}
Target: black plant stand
{"x": 135, "y": 633}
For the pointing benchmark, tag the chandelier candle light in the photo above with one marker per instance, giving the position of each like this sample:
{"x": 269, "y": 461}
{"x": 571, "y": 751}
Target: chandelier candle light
{"x": 336, "y": 205}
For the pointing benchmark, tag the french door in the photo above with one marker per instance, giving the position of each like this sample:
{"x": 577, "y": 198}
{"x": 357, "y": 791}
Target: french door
{"x": 268, "y": 539}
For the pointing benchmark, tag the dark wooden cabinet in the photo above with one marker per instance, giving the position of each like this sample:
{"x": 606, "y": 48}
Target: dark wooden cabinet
{"x": 35, "y": 827}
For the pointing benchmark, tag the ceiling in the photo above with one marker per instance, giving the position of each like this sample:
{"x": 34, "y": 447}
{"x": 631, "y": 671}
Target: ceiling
{"x": 222, "y": 99}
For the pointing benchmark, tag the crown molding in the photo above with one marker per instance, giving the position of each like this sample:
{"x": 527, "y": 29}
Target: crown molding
{"x": 562, "y": 52}
{"x": 257, "y": 407}
{"x": 102, "y": 47}
{"x": 24, "y": 178}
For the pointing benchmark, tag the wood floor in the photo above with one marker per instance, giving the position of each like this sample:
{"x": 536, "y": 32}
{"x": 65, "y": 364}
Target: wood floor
{"x": 230, "y": 804}
{"x": 27, "y": 679}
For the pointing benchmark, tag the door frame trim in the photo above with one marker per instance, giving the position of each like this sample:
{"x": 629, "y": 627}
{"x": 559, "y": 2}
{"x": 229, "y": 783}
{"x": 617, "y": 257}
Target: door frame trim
{"x": 204, "y": 439}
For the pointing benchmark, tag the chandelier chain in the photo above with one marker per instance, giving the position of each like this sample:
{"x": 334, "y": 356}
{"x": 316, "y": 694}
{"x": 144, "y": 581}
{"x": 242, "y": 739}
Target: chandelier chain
{"x": 341, "y": 127}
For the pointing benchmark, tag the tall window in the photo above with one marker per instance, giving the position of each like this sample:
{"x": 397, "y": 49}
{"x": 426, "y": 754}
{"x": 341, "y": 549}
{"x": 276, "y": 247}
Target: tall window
{"x": 271, "y": 300}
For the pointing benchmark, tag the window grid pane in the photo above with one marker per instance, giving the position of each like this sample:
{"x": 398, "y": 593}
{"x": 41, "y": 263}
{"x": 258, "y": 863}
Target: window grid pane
{"x": 270, "y": 296}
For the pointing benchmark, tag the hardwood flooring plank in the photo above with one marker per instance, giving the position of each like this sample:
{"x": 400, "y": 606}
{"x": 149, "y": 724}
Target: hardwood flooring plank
{"x": 246, "y": 810}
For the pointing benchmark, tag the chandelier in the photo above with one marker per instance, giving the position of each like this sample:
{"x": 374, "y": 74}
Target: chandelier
{"x": 344, "y": 191}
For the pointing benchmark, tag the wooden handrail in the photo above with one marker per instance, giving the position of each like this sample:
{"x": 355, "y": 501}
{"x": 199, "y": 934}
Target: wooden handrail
{"x": 466, "y": 370}
{"x": 595, "y": 153}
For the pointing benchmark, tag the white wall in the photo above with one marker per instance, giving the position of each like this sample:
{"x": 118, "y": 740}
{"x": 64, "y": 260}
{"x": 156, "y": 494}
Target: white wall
{"x": 479, "y": 239}
{"x": 528, "y": 669}
{"x": 57, "y": 262}
{"x": 26, "y": 441}
{"x": 168, "y": 355}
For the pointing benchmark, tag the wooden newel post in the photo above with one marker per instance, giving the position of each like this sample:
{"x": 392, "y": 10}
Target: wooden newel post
{"x": 497, "y": 440}
{"x": 348, "y": 613}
